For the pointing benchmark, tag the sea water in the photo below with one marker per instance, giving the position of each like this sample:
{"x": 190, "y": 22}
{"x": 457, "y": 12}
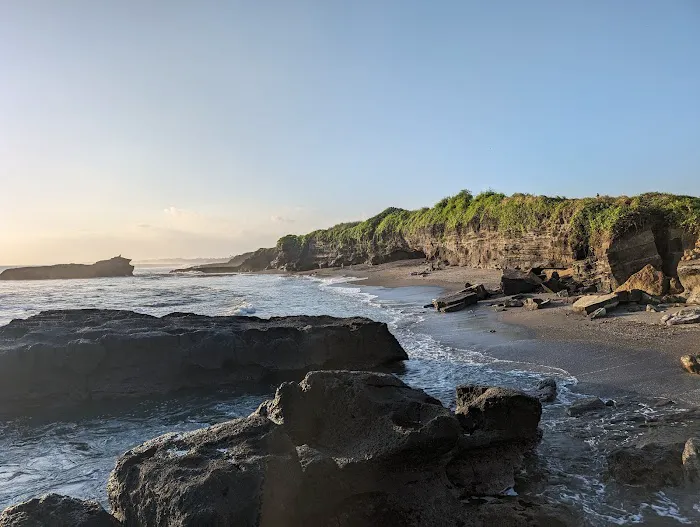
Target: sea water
{"x": 72, "y": 451}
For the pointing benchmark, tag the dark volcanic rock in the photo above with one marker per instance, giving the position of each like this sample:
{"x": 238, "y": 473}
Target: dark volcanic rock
{"x": 546, "y": 390}
{"x": 339, "y": 448}
{"x": 652, "y": 465}
{"x": 492, "y": 415}
{"x": 53, "y": 510}
{"x": 61, "y": 356}
{"x": 242, "y": 472}
{"x": 116, "y": 266}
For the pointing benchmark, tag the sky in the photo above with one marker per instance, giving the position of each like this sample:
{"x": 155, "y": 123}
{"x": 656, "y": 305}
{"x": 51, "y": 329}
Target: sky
{"x": 168, "y": 129}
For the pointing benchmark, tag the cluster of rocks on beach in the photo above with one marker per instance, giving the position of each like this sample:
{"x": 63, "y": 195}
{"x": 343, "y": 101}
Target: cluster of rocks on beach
{"x": 676, "y": 299}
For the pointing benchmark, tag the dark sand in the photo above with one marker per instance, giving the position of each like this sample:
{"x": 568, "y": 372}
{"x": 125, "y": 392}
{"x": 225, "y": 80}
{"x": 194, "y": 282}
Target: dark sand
{"x": 630, "y": 353}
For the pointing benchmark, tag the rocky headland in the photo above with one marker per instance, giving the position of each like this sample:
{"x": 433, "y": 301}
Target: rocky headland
{"x": 62, "y": 357}
{"x": 603, "y": 240}
{"x": 113, "y": 267}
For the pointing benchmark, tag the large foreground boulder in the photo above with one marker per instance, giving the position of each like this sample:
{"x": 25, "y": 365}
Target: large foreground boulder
{"x": 53, "y": 510}
{"x": 113, "y": 267}
{"x": 339, "y": 448}
{"x": 58, "y": 357}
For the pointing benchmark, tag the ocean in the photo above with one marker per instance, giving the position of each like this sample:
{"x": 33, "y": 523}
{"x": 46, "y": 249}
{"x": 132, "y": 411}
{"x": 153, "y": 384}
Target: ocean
{"x": 72, "y": 451}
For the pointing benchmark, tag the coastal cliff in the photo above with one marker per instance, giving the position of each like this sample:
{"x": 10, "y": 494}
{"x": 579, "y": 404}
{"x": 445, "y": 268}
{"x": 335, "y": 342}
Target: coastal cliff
{"x": 116, "y": 266}
{"x": 604, "y": 240}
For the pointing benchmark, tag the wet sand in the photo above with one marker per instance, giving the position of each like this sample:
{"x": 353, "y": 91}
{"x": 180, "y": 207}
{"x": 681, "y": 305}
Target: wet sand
{"x": 629, "y": 353}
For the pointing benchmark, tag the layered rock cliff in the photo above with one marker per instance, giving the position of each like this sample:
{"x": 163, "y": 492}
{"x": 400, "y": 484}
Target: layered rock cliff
{"x": 605, "y": 239}
{"x": 116, "y": 266}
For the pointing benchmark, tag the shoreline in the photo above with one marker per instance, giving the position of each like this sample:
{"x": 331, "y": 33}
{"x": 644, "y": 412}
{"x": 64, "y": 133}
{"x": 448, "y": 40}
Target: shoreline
{"x": 625, "y": 353}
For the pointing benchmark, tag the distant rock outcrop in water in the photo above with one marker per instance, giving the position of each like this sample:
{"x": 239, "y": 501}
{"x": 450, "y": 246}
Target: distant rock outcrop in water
{"x": 59, "y": 357}
{"x": 116, "y": 266}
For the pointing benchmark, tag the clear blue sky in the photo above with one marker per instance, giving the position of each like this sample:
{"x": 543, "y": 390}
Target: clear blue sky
{"x": 172, "y": 128}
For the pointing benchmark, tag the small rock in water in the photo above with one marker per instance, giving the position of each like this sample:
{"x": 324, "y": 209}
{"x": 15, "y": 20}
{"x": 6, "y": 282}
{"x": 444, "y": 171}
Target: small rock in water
{"x": 584, "y": 406}
{"x": 546, "y": 390}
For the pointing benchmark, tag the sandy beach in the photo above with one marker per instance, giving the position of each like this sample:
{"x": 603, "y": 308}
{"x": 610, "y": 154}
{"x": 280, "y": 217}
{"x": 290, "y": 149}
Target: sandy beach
{"x": 630, "y": 352}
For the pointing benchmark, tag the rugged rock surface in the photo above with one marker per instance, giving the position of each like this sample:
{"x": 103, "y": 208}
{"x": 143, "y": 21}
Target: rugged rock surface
{"x": 116, "y": 266}
{"x": 649, "y": 280}
{"x": 689, "y": 274}
{"x": 545, "y": 391}
{"x": 653, "y": 465}
{"x": 492, "y": 415}
{"x": 53, "y": 510}
{"x": 59, "y": 357}
{"x": 339, "y": 448}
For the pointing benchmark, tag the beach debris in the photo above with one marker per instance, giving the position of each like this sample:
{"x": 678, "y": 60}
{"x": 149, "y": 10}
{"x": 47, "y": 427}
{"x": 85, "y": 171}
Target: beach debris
{"x": 564, "y": 293}
{"x": 599, "y": 313}
{"x": 455, "y": 301}
{"x": 649, "y": 280}
{"x": 651, "y": 309}
{"x": 514, "y": 281}
{"x": 689, "y": 274}
{"x": 585, "y": 406}
{"x": 690, "y": 363}
{"x": 691, "y": 460}
{"x": 532, "y": 304}
{"x": 684, "y": 316}
{"x": 513, "y": 302}
{"x": 653, "y": 465}
{"x": 590, "y": 303}
{"x": 546, "y": 390}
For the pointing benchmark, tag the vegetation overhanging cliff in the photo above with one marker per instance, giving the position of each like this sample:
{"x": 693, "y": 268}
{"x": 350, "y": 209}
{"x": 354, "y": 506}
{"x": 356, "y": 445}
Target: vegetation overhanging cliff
{"x": 605, "y": 238}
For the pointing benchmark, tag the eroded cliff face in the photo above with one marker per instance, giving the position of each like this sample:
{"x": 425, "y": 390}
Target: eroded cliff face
{"x": 606, "y": 265}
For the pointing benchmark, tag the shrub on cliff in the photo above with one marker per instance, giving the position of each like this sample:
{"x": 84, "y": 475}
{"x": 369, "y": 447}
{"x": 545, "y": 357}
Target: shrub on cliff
{"x": 587, "y": 221}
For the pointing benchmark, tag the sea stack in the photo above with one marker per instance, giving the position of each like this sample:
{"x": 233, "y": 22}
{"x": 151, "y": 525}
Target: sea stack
{"x": 116, "y": 266}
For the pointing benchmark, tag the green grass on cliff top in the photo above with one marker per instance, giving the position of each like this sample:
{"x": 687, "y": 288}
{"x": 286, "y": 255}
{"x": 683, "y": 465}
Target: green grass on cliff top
{"x": 587, "y": 221}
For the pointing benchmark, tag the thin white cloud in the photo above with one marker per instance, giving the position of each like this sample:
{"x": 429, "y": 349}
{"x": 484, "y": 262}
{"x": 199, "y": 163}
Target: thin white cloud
{"x": 280, "y": 219}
